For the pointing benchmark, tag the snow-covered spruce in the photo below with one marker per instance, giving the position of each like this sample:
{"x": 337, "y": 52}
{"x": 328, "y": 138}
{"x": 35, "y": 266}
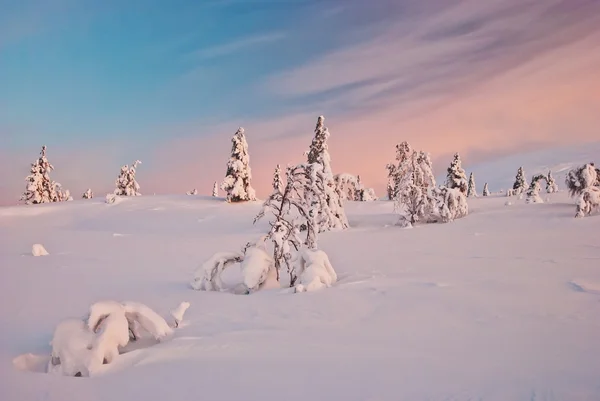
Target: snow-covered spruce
{"x": 520, "y": 185}
{"x": 315, "y": 271}
{"x": 192, "y": 192}
{"x": 88, "y": 194}
{"x": 449, "y": 204}
{"x": 215, "y": 191}
{"x": 581, "y": 178}
{"x": 390, "y": 187}
{"x": 208, "y": 275}
{"x": 237, "y": 182}
{"x": 330, "y": 214}
{"x": 486, "y": 191}
{"x": 126, "y": 185}
{"x": 588, "y": 201}
{"x": 551, "y": 185}
{"x": 533, "y": 192}
{"x": 456, "y": 176}
{"x": 40, "y": 188}
{"x": 277, "y": 183}
{"x": 471, "y": 190}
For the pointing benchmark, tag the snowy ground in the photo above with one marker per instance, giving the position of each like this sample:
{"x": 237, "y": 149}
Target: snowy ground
{"x": 502, "y": 305}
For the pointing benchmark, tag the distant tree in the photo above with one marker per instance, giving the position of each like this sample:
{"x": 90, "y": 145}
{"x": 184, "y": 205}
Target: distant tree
{"x": 237, "y": 182}
{"x": 456, "y": 177}
{"x": 126, "y": 185}
{"x": 192, "y": 192}
{"x": 40, "y": 188}
{"x": 330, "y": 210}
{"x": 215, "y": 192}
{"x": 486, "y": 191}
{"x": 551, "y": 185}
{"x": 88, "y": 194}
{"x": 520, "y": 184}
{"x": 391, "y": 168}
{"x": 581, "y": 178}
{"x": 277, "y": 183}
{"x": 472, "y": 190}
{"x": 533, "y": 192}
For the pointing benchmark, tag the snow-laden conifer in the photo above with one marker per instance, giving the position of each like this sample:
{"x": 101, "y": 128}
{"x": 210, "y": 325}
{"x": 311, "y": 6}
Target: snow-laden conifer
{"x": 472, "y": 190}
{"x": 330, "y": 213}
{"x": 456, "y": 177}
{"x": 126, "y": 184}
{"x": 581, "y": 178}
{"x": 277, "y": 183}
{"x": 486, "y": 191}
{"x": 88, "y": 194}
{"x": 40, "y": 188}
{"x": 237, "y": 182}
{"x": 215, "y": 191}
{"x": 551, "y": 185}
{"x": 520, "y": 184}
{"x": 533, "y": 192}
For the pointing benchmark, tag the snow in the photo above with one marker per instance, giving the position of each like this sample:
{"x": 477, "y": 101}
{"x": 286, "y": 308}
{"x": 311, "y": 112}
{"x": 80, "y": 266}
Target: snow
{"x": 502, "y": 304}
{"x": 316, "y": 272}
{"x": 39, "y": 250}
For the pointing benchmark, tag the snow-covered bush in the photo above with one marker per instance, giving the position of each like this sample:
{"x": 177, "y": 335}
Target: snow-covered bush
{"x": 88, "y": 194}
{"x": 449, "y": 204}
{"x": 112, "y": 333}
{"x": 315, "y": 271}
{"x": 551, "y": 186}
{"x": 326, "y": 199}
{"x": 367, "y": 195}
{"x": 40, "y": 188}
{"x": 110, "y": 198}
{"x": 533, "y": 193}
{"x": 215, "y": 191}
{"x": 456, "y": 177}
{"x": 486, "y": 191}
{"x": 257, "y": 268}
{"x": 71, "y": 348}
{"x": 581, "y": 178}
{"x": 208, "y": 276}
{"x": 147, "y": 319}
{"x": 351, "y": 188}
{"x": 38, "y": 250}
{"x": 126, "y": 185}
{"x": 588, "y": 201}
{"x": 192, "y": 192}
{"x": 520, "y": 184}
{"x": 471, "y": 190}
{"x": 237, "y": 182}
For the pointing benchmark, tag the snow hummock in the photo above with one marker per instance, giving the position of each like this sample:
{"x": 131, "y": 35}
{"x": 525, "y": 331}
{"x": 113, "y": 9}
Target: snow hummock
{"x": 39, "y": 250}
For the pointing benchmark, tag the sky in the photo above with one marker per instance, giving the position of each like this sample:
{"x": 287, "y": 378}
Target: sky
{"x": 102, "y": 84}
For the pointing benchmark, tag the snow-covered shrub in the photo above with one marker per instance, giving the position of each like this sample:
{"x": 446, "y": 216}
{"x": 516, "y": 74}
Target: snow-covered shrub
{"x": 192, "y": 192}
{"x": 581, "y": 178}
{"x": 367, "y": 195}
{"x": 71, "y": 348}
{"x": 112, "y": 333}
{"x": 208, "y": 275}
{"x": 471, "y": 190}
{"x": 449, "y": 204}
{"x": 390, "y": 187}
{"x": 215, "y": 191}
{"x": 351, "y": 188}
{"x": 110, "y": 198}
{"x": 40, "y": 188}
{"x": 315, "y": 271}
{"x": 486, "y": 191}
{"x": 533, "y": 193}
{"x": 456, "y": 177}
{"x": 237, "y": 182}
{"x": 147, "y": 319}
{"x": 325, "y": 199}
{"x": 257, "y": 266}
{"x": 88, "y": 194}
{"x": 126, "y": 185}
{"x": 178, "y": 313}
{"x": 588, "y": 201}
{"x": 551, "y": 185}
{"x": 38, "y": 250}
{"x": 520, "y": 184}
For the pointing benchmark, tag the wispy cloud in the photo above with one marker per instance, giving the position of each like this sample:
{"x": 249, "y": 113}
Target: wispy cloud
{"x": 235, "y": 46}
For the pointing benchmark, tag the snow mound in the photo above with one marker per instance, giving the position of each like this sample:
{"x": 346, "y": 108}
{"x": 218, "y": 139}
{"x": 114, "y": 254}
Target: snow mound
{"x": 71, "y": 348}
{"x": 590, "y": 287}
{"x": 39, "y": 250}
{"x": 316, "y": 271}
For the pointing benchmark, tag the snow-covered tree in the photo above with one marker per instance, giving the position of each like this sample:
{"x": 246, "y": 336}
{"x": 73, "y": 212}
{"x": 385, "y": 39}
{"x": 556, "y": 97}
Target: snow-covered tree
{"x": 449, "y": 204}
{"x": 486, "y": 191}
{"x": 551, "y": 186}
{"x": 215, "y": 191}
{"x": 456, "y": 177}
{"x": 520, "y": 184}
{"x": 40, "y": 188}
{"x": 277, "y": 183}
{"x": 88, "y": 194}
{"x": 192, "y": 192}
{"x": 126, "y": 185}
{"x": 588, "y": 201}
{"x": 533, "y": 192}
{"x": 237, "y": 182}
{"x": 314, "y": 271}
{"x": 330, "y": 213}
{"x": 472, "y": 190}
{"x": 581, "y": 178}
{"x": 390, "y": 188}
